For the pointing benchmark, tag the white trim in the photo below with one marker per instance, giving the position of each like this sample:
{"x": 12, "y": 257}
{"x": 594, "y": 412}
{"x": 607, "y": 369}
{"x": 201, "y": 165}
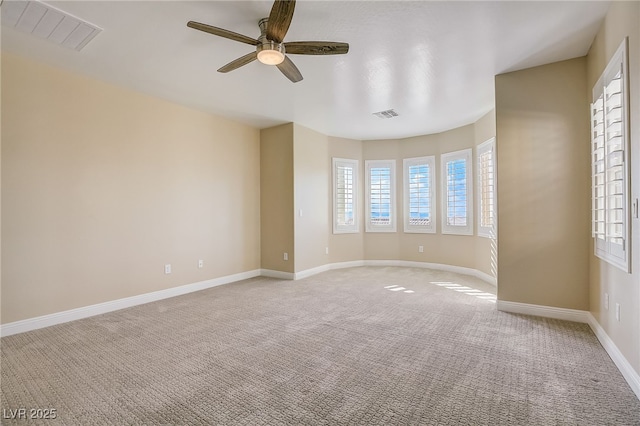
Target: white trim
{"x": 277, "y": 274}
{"x": 313, "y": 271}
{"x": 392, "y": 226}
{"x": 355, "y": 165}
{"x": 127, "y": 302}
{"x": 401, "y": 263}
{"x": 627, "y": 371}
{"x": 114, "y": 305}
{"x": 616, "y": 254}
{"x": 467, "y": 156}
{"x": 407, "y": 163}
{"x": 630, "y": 375}
{"x": 486, "y": 146}
{"x": 543, "y": 311}
{"x": 351, "y": 264}
{"x": 438, "y": 266}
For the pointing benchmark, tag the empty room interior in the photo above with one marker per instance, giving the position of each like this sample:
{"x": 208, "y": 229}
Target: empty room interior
{"x": 320, "y": 212}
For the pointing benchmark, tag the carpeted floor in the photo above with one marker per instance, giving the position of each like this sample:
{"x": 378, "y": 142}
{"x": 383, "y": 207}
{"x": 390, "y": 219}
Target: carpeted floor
{"x": 346, "y": 347}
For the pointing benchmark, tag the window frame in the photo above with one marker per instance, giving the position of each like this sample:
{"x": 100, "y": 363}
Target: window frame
{"x": 604, "y": 248}
{"x": 484, "y": 147}
{"x": 467, "y": 156}
{"x": 355, "y": 165}
{"x": 369, "y": 226}
{"x": 407, "y": 163}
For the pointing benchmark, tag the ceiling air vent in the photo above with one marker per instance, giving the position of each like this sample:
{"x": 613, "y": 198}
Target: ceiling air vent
{"x": 47, "y": 22}
{"x": 386, "y": 114}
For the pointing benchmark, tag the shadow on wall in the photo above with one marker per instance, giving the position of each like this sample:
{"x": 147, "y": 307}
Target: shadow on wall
{"x": 538, "y": 176}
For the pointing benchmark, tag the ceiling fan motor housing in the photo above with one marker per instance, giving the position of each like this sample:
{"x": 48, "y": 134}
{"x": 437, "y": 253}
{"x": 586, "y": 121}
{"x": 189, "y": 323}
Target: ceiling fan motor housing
{"x": 269, "y": 52}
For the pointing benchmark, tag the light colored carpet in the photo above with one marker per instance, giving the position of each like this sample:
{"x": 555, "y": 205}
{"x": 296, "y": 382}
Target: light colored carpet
{"x": 337, "y": 349}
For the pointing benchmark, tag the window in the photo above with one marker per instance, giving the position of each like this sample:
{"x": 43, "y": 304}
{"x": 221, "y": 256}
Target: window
{"x": 486, "y": 189}
{"x": 345, "y": 196}
{"x": 419, "y": 195}
{"x": 381, "y": 207}
{"x": 457, "y": 211}
{"x": 609, "y": 162}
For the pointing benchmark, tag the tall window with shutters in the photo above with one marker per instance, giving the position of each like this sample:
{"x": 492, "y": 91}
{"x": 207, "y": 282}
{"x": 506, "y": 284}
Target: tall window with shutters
{"x": 419, "y": 195}
{"x": 609, "y": 162}
{"x": 486, "y": 189}
{"x": 457, "y": 194}
{"x": 345, "y": 196}
{"x": 381, "y": 199}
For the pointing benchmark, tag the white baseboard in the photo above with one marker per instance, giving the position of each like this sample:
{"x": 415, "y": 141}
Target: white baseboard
{"x": 114, "y": 305}
{"x": 627, "y": 371}
{"x": 438, "y": 266}
{"x": 543, "y": 311}
{"x": 402, "y": 263}
{"x": 277, "y": 274}
{"x": 127, "y": 302}
{"x": 313, "y": 271}
{"x": 350, "y": 264}
{"x": 328, "y": 267}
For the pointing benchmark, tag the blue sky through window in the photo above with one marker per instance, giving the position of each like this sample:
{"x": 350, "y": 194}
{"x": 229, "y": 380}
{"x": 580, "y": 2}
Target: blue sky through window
{"x": 419, "y": 193}
{"x": 380, "y": 194}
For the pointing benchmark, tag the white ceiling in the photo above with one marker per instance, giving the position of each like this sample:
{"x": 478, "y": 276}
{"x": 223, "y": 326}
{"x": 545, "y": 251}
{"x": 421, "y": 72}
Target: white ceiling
{"x": 433, "y": 62}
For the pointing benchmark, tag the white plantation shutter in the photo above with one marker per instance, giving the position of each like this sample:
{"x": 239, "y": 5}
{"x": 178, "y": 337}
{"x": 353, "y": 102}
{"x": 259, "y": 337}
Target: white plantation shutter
{"x": 486, "y": 189}
{"x": 345, "y": 202}
{"x": 419, "y": 194}
{"x": 609, "y": 165}
{"x": 457, "y": 193}
{"x": 598, "y": 184}
{"x": 381, "y": 209}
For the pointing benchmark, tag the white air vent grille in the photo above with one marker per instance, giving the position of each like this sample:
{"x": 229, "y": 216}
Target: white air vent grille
{"x": 47, "y": 22}
{"x": 386, "y": 114}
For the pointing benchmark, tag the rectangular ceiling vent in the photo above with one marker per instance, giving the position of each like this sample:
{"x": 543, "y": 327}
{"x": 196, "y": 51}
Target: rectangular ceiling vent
{"x": 47, "y": 22}
{"x": 386, "y": 114}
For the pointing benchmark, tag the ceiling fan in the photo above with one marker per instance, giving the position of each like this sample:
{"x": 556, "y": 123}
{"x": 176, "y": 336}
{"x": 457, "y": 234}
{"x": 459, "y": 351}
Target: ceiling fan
{"x": 270, "y": 48}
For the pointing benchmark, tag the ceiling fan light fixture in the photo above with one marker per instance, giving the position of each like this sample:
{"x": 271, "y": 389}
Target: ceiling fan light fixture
{"x": 270, "y": 46}
{"x": 270, "y": 53}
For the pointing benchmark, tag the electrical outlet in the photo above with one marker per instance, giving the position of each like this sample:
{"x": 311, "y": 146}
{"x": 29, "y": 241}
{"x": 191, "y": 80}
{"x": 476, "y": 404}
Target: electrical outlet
{"x": 326, "y": 250}
{"x": 606, "y": 301}
{"x": 200, "y": 263}
{"x": 420, "y": 249}
{"x": 286, "y": 256}
{"x": 617, "y": 312}
{"x": 167, "y": 268}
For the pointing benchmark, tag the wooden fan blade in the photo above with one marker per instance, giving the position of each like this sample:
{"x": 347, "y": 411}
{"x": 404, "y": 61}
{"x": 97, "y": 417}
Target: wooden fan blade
{"x": 222, "y": 33}
{"x": 316, "y": 48}
{"x": 244, "y": 60}
{"x": 280, "y": 19}
{"x": 290, "y": 71}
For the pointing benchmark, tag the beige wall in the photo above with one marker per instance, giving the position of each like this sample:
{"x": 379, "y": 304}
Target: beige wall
{"x": 276, "y": 198}
{"x": 311, "y": 190}
{"x": 345, "y": 247}
{"x": 543, "y": 159}
{"x": 102, "y": 186}
{"x": 621, "y": 21}
{"x": 0, "y": 186}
